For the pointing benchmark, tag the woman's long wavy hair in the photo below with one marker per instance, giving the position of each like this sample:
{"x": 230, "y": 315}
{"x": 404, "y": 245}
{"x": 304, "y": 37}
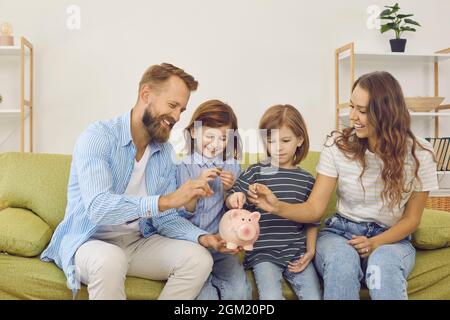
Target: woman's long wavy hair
{"x": 390, "y": 121}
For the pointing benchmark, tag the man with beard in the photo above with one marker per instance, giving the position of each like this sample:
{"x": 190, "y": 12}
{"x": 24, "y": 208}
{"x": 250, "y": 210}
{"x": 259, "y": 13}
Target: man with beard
{"x": 121, "y": 217}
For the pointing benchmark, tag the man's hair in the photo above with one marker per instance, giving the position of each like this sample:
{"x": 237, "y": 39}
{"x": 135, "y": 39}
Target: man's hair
{"x": 158, "y": 74}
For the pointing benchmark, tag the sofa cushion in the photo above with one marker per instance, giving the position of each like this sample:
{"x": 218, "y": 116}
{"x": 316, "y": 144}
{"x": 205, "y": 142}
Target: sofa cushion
{"x": 433, "y": 231}
{"x": 37, "y": 182}
{"x": 30, "y": 278}
{"x": 23, "y": 233}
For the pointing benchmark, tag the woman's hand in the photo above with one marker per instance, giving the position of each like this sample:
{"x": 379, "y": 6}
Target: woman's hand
{"x": 301, "y": 264}
{"x": 262, "y": 197}
{"x": 365, "y": 246}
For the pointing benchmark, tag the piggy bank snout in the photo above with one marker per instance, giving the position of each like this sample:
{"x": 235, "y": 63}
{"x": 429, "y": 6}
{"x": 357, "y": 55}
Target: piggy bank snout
{"x": 246, "y": 232}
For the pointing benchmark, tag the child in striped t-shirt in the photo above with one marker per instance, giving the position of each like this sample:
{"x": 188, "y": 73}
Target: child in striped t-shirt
{"x": 284, "y": 248}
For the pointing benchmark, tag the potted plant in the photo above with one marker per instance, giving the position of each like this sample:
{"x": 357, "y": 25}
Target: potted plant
{"x": 399, "y": 23}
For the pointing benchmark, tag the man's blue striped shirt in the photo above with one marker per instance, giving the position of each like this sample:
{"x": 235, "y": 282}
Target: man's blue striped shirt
{"x": 101, "y": 168}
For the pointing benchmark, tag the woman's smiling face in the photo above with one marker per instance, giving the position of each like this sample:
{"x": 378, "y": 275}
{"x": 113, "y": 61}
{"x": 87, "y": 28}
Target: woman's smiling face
{"x": 359, "y": 104}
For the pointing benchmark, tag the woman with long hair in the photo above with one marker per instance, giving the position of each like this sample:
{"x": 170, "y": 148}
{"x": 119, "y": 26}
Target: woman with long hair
{"x": 383, "y": 175}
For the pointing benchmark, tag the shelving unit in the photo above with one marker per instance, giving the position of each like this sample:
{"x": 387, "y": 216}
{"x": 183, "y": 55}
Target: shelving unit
{"x": 348, "y": 52}
{"x": 25, "y": 110}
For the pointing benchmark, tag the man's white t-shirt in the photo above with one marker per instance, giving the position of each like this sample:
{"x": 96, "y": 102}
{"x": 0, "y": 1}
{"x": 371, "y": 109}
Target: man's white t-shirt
{"x": 366, "y": 205}
{"x": 137, "y": 187}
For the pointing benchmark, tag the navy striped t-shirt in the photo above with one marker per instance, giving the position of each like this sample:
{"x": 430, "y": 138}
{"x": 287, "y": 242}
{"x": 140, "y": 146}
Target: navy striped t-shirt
{"x": 280, "y": 240}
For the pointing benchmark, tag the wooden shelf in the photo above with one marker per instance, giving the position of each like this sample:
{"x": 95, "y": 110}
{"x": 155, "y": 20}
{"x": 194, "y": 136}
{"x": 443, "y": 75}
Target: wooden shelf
{"x": 410, "y": 57}
{"x": 10, "y": 51}
{"x": 346, "y": 113}
{"x": 25, "y": 109}
{"x": 440, "y": 193}
{"x": 13, "y": 112}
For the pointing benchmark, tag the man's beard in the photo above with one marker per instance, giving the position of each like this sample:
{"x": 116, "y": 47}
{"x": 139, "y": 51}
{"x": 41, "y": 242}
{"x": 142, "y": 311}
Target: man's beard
{"x": 156, "y": 130}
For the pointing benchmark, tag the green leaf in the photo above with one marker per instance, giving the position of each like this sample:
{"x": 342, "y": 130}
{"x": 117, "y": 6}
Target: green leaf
{"x": 407, "y": 29}
{"x": 385, "y": 27}
{"x": 393, "y": 7}
{"x": 387, "y": 18}
{"x": 386, "y": 12}
{"x": 403, "y": 16}
{"x": 410, "y": 21}
{"x": 393, "y": 25}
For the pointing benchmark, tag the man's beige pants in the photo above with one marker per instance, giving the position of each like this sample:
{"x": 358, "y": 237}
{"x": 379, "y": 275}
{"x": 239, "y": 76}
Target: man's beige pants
{"x": 103, "y": 265}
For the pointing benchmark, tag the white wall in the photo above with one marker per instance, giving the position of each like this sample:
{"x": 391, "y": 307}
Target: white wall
{"x": 252, "y": 54}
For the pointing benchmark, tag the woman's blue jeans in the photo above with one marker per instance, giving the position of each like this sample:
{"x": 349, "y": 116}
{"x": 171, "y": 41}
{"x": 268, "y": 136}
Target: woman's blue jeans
{"x": 385, "y": 271}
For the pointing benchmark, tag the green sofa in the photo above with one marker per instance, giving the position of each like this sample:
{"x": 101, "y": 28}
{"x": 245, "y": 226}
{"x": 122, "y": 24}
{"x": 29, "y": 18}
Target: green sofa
{"x": 32, "y": 203}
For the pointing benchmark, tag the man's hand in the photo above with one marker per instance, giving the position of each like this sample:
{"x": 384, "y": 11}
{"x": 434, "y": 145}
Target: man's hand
{"x": 215, "y": 242}
{"x": 236, "y": 200}
{"x": 189, "y": 191}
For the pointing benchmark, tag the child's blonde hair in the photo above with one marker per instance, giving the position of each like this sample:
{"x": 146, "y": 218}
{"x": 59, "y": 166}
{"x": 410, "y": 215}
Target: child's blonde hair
{"x": 286, "y": 115}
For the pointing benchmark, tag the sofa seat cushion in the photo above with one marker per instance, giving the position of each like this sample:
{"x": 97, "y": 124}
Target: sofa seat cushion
{"x": 30, "y": 278}
{"x": 22, "y": 232}
{"x": 430, "y": 278}
{"x": 433, "y": 231}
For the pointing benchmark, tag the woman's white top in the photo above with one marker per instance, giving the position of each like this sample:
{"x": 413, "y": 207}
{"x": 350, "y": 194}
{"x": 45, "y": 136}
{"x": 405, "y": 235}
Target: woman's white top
{"x": 366, "y": 205}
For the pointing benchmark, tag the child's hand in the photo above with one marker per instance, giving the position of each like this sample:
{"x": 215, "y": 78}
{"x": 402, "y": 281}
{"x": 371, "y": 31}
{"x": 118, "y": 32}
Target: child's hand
{"x": 227, "y": 179}
{"x": 237, "y": 200}
{"x": 301, "y": 264}
{"x": 210, "y": 174}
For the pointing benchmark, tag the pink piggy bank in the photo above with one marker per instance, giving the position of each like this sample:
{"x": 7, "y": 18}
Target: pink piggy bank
{"x": 239, "y": 227}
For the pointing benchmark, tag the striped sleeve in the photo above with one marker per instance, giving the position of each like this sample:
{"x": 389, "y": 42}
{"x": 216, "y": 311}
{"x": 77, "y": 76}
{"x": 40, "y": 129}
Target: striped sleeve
{"x": 184, "y": 173}
{"x": 104, "y": 207}
{"x": 246, "y": 178}
{"x": 236, "y": 170}
{"x": 312, "y": 180}
{"x": 169, "y": 223}
{"x": 327, "y": 164}
{"x": 427, "y": 169}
